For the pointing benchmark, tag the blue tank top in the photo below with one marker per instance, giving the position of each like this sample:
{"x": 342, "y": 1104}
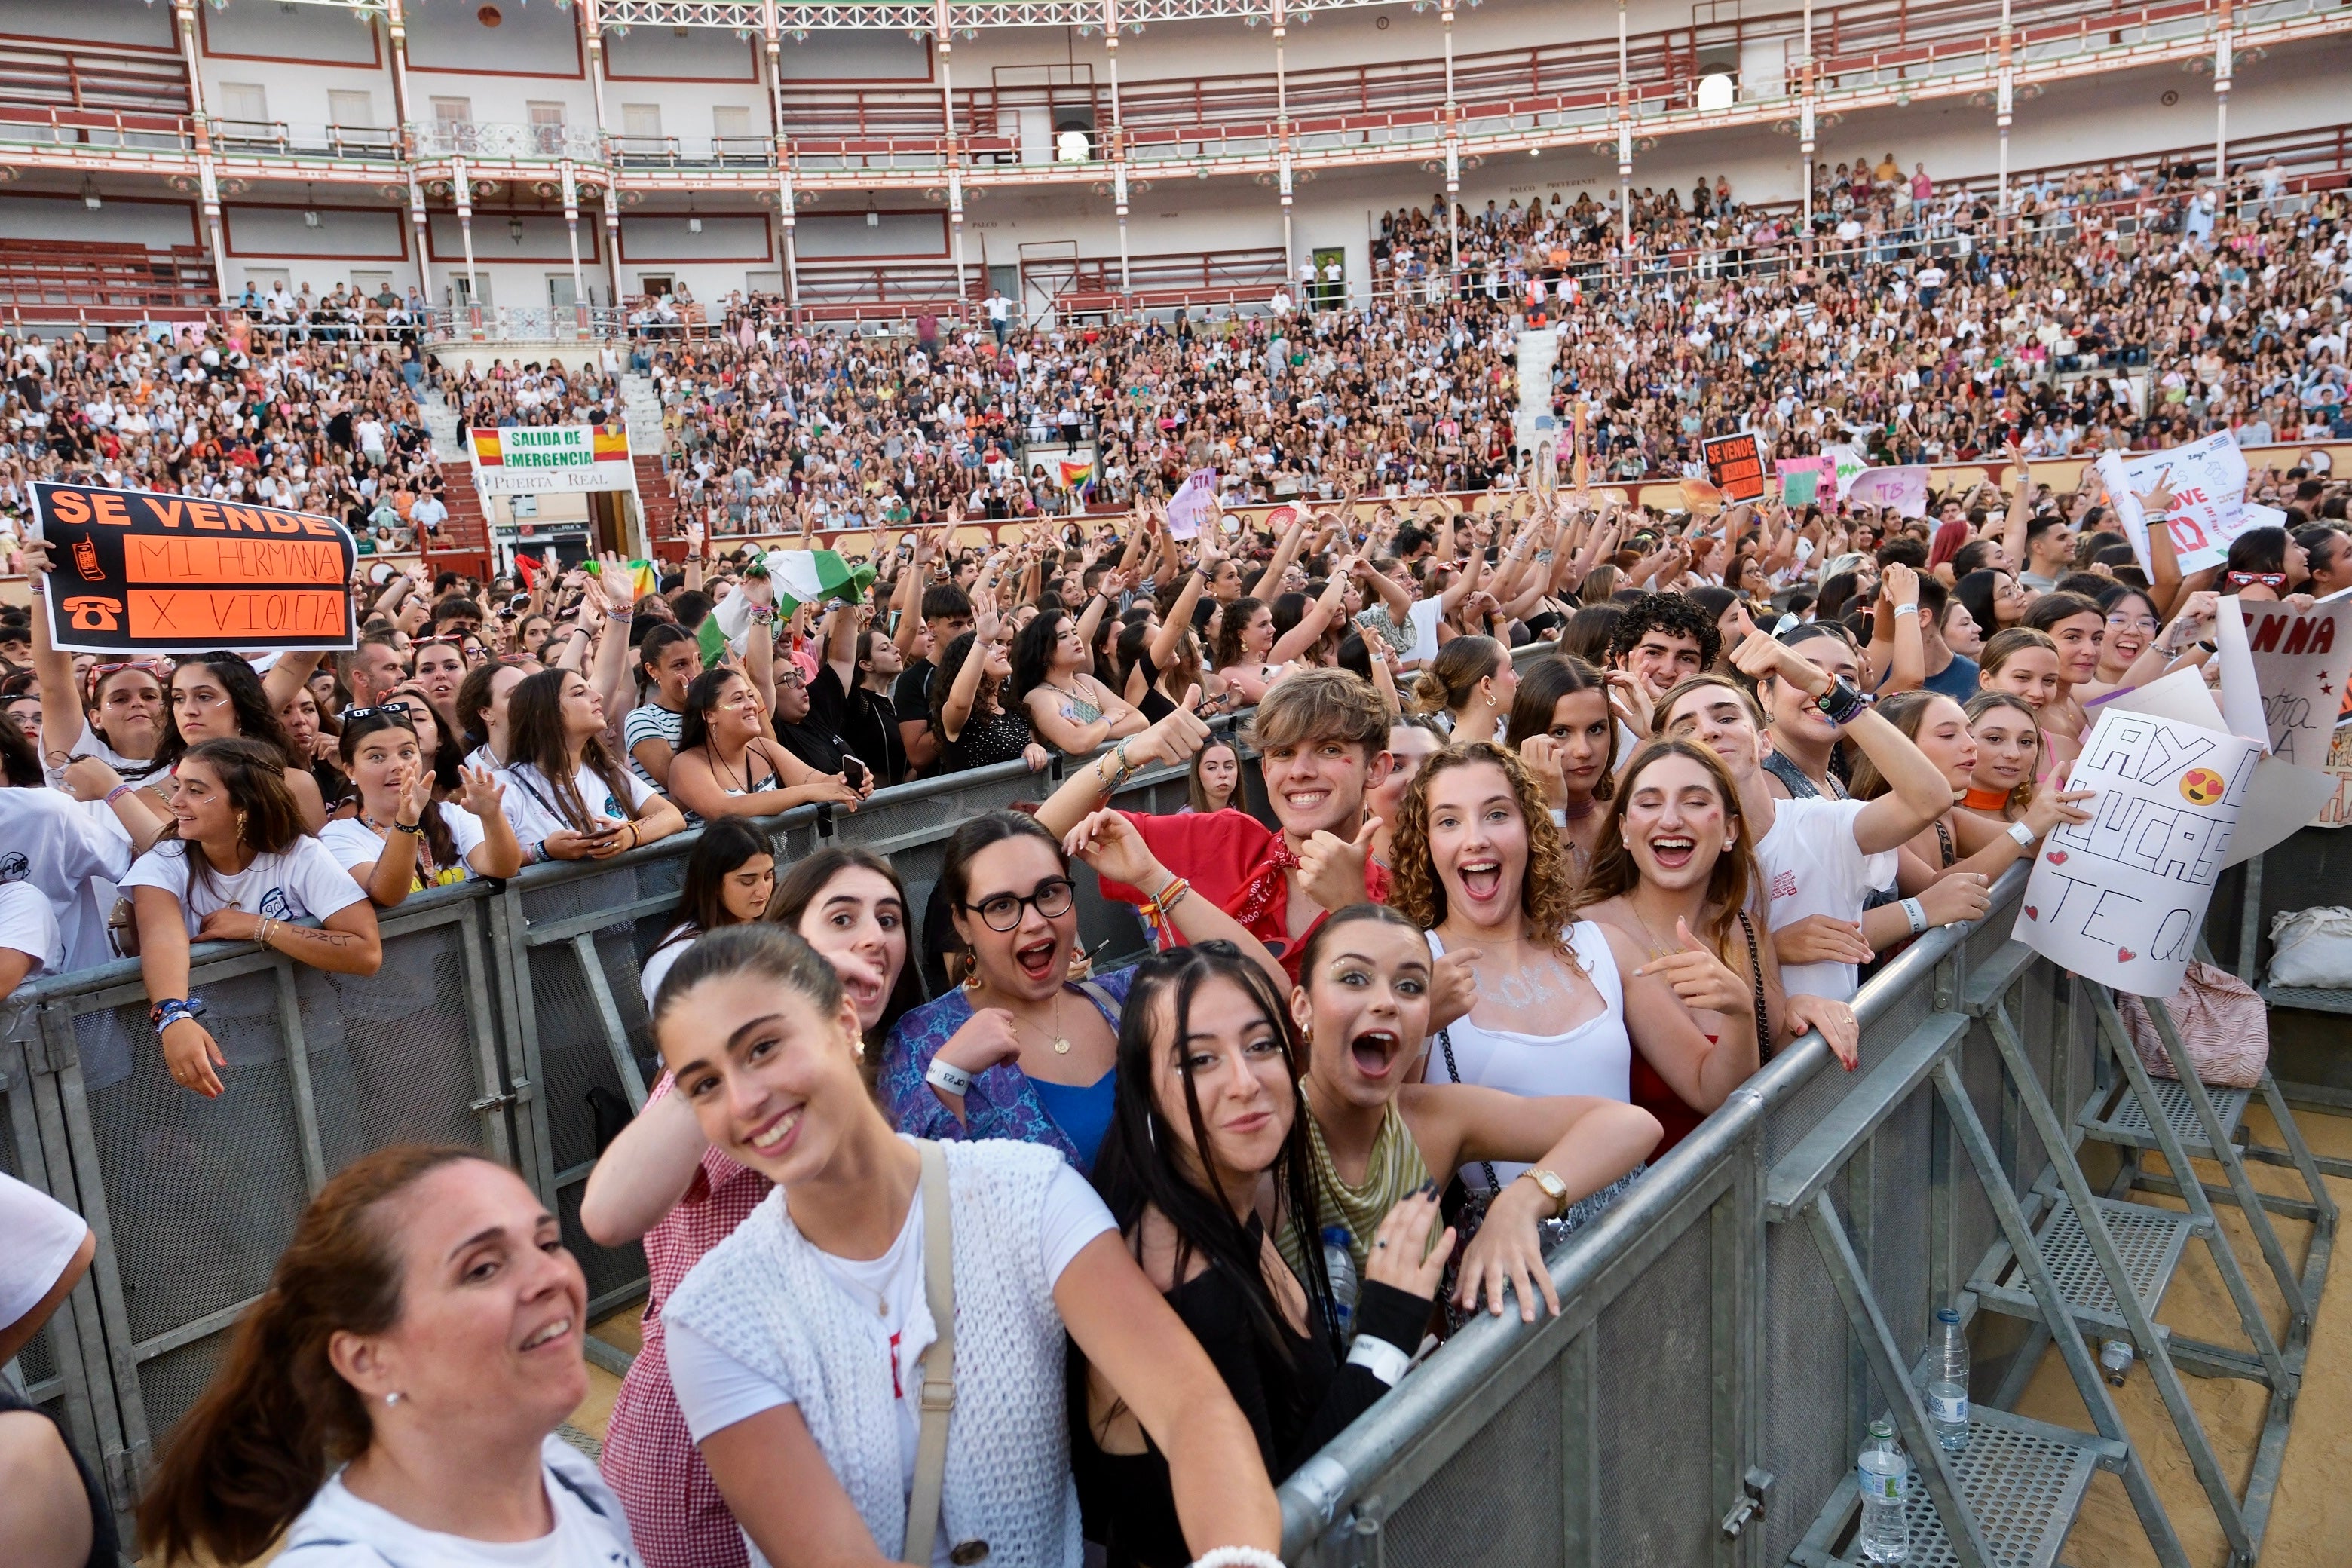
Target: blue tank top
{"x": 1082, "y": 1113}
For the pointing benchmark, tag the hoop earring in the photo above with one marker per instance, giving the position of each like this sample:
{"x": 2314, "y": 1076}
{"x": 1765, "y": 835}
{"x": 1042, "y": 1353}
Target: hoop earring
{"x": 1150, "y": 1133}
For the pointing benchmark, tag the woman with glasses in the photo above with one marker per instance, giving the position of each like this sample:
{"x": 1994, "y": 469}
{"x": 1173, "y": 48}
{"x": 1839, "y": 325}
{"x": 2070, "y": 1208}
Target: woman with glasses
{"x": 397, "y": 811}
{"x": 726, "y": 764}
{"x": 1018, "y": 1049}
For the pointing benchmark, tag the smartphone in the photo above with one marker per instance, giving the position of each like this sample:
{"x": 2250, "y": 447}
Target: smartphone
{"x": 854, "y": 771}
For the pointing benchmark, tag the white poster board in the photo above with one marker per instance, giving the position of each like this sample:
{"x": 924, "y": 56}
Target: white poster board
{"x": 2208, "y": 479}
{"x": 2121, "y": 897}
{"x": 2283, "y": 673}
{"x": 1194, "y": 502}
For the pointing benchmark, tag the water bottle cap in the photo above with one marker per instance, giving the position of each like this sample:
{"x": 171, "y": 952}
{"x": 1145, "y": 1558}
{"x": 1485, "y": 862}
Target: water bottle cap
{"x": 1882, "y": 1429}
{"x": 1335, "y": 1236}
{"x": 1948, "y": 1314}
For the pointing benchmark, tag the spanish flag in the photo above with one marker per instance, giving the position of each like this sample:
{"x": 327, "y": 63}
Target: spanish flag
{"x": 1077, "y": 476}
{"x": 611, "y": 443}
{"x": 487, "y": 452}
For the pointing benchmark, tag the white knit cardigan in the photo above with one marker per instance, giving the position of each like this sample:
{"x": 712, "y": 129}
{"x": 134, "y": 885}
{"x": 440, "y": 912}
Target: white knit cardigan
{"x": 763, "y": 1298}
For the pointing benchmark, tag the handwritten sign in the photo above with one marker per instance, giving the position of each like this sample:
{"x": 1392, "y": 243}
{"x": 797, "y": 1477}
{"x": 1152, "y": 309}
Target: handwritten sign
{"x": 138, "y": 571}
{"x": 1736, "y": 466}
{"x": 2282, "y": 674}
{"x": 2208, "y": 481}
{"x": 1903, "y": 489}
{"x": 2121, "y": 897}
{"x": 1807, "y": 480}
{"x": 2336, "y": 810}
{"x": 1194, "y": 502}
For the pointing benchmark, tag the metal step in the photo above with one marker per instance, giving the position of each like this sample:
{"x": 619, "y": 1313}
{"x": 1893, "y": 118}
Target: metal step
{"x": 2023, "y": 1482}
{"x": 2129, "y": 1124}
{"x": 2149, "y": 1239}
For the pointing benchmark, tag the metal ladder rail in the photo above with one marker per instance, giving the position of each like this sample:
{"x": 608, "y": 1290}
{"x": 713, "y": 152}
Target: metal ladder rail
{"x": 2135, "y": 1314}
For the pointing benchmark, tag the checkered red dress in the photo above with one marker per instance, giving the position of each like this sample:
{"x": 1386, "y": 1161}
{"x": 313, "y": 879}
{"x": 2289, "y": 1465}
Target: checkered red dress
{"x": 675, "y": 1511}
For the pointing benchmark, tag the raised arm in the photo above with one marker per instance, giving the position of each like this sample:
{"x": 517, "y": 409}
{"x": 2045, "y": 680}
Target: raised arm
{"x": 609, "y": 674}
{"x": 1898, "y": 648}
{"x": 1918, "y": 792}
{"x": 1303, "y": 636}
{"x": 1179, "y": 619}
{"x": 2021, "y": 510}
{"x": 62, "y": 722}
{"x": 1269, "y": 582}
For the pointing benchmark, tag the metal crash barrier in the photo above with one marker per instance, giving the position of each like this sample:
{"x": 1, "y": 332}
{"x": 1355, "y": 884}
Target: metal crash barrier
{"x": 1731, "y": 1326}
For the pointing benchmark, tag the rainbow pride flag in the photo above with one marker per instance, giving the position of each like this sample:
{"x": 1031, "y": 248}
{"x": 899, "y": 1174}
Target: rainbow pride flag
{"x": 1077, "y": 476}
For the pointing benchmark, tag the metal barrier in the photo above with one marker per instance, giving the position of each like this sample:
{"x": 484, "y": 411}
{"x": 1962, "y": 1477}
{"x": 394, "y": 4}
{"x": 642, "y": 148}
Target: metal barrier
{"x": 1700, "y": 1397}
{"x": 507, "y": 1016}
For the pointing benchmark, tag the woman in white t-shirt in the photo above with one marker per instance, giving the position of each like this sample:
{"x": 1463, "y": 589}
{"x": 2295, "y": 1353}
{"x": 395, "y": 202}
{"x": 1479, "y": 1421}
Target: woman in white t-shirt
{"x": 393, "y": 1397}
{"x": 794, "y": 1345}
{"x": 568, "y": 796}
{"x": 730, "y": 874}
{"x": 393, "y": 788}
{"x": 483, "y": 710}
{"x": 241, "y": 870}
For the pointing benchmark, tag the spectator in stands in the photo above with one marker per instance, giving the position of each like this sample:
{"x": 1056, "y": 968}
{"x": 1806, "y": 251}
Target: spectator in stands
{"x": 730, "y": 874}
{"x": 240, "y": 869}
{"x": 727, "y": 765}
{"x": 1659, "y": 640}
{"x": 1212, "y": 1117}
{"x": 401, "y": 839}
{"x": 660, "y": 1180}
{"x": 58, "y": 1515}
{"x": 667, "y": 661}
{"x": 216, "y": 696}
{"x": 973, "y": 725}
{"x": 772, "y": 1046}
{"x": 1216, "y": 781}
{"x": 1468, "y": 688}
{"x": 1562, "y": 727}
{"x": 393, "y": 1395}
{"x": 569, "y": 797}
{"x": 1068, "y": 709}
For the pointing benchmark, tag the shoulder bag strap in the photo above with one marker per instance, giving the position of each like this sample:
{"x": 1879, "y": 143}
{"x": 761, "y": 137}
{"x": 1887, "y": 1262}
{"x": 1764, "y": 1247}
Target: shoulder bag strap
{"x": 1445, "y": 1044}
{"x": 938, "y": 1362}
{"x": 1756, "y": 976}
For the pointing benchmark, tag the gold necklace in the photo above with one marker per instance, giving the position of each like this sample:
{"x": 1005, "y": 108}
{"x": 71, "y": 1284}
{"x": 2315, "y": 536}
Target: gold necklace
{"x": 1657, "y": 948}
{"x": 1058, "y": 1040}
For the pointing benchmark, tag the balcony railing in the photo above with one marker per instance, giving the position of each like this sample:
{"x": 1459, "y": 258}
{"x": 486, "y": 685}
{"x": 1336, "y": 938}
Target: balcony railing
{"x": 495, "y": 140}
{"x": 524, "y": 323}
{"x": 284, "y": 136}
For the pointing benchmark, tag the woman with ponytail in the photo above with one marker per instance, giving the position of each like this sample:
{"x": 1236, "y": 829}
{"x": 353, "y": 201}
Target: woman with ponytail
{"x": 393, "y": 1397}
{"x": 1472, "y": 682}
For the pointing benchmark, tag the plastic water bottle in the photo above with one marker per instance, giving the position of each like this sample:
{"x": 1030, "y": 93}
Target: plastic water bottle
{"x": 2115, "y": 1357}
{"x": 1947, "y": 1382}
{"x": 1885, "y": 1472}
{"x": 1339, "y": 1264}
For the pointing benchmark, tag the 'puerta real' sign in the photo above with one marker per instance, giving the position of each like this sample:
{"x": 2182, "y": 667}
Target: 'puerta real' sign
{"x": 136, "y": 572}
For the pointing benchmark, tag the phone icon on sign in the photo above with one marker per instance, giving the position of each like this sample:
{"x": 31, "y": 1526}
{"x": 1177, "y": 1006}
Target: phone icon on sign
{"x": 85, "y": 554}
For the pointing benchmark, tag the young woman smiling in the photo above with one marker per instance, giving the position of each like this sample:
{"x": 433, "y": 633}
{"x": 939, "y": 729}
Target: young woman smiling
{"x": 2023, "y": 663}
{"x": 216, "y": 697}
{"x": 240, "y": 869}
{"x": 1559, "y": 1009}
{"x": 2075, "y": 627}
{"x": 731, "y": 873}
{"x": 1018, "y": 1051}
{"x": 402, "y": 840}
{"x": 572, "y": 799}
{"x": 727, "y": 764}
{"x": 1563, "y": 730}
{"x": 1249, "y": 656}
{"x": 1364, "y": 1008}
{"x": 668, "y": 660}
{"x": 1068, "y": 709}
{"x": 661, "y": 1180}
{"x": 968, "y": 708}
{"x": 1209, "y": 1154}
{"x": 794, "y": 1345}
{"x": 393, "y": 1395}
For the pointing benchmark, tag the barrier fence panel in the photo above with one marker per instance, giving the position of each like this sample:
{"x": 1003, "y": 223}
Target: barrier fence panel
{"x": 1701, "y": 1397}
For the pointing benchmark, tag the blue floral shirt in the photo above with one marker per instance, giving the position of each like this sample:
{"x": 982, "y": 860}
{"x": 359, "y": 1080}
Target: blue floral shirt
{"x": 1002, "y": 1103}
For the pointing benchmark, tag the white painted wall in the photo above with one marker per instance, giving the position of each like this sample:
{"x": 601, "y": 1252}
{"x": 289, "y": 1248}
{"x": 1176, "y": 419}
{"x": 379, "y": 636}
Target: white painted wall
{"x": 315, "y": 35}
{"x": 91, "y": 21}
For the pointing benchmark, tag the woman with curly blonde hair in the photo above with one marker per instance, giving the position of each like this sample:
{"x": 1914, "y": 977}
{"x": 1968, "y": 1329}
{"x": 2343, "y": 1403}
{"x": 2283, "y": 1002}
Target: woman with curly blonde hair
{"x": 1481, "y": 870}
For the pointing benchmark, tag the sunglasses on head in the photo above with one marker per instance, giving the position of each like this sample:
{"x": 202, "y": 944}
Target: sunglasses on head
{"x": 395, "y": 711}
{"x": 2276, "y": 580}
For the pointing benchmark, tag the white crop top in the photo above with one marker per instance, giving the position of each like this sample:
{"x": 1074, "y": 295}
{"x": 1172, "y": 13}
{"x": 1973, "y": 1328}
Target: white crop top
{"x": 1596, "y": 1058}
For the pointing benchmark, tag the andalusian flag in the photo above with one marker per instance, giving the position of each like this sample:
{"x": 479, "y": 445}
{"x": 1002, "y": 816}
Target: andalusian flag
{"x": 642, "y": 579}
{"x": 1077, "y": 476}
{"x": 812, "y": 576}
{"x": 801, "y": 577}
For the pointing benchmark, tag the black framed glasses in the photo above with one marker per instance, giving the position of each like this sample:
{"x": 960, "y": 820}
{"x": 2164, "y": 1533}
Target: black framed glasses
{"x": 1051, "y": 899}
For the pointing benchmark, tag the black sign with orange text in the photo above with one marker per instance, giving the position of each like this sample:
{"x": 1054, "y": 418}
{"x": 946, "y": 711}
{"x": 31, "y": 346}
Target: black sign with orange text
{"x": 136, "y": 572}
{"x": 1736, "y": 466}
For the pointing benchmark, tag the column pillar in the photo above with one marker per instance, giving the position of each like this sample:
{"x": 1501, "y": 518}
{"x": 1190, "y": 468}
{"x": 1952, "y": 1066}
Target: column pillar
{"x": 2224, "y": 47}
{"x": 1452, "y": 158}
{"x": 464, "y": 183}
{"x": 591, "y": 38}
{"x": 1624, "y": 144}
{"x": 395, "y": 22}
{"x": 1118, "y": 189}
{"x": 572, "y": 232}
{"x": 416, "y": 222}
{"x": 786, "y": 218}
{"x": 949, "y": 150}
{"x": 1805, "y": 140}
{"x": 1281, "y": 139}
{"x": 2004, "y": 105}
{"x": 207, "y": 178}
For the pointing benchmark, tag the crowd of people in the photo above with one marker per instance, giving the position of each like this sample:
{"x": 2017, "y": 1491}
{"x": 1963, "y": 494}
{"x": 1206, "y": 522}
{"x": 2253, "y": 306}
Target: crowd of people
{"x": 1566, "y": 816}
{"x": 1921, "y": 330}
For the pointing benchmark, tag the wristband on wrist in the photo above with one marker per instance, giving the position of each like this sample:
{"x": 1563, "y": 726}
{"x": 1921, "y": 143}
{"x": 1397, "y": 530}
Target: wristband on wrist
{"x": 172, "y": 1009}
{"x": 1916, "y": 914}
{"x": 1381, "y": 1359}
{"x": 2023, "y": 835}
{"x": 119, "y": 790}
{"x": 417, "y": 826}
{"x": 1237, "y": 1557}
{"x": 1841, "y": 704}
{"x": 1902, "y": 610}
{"x": 947, "y": 1078}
